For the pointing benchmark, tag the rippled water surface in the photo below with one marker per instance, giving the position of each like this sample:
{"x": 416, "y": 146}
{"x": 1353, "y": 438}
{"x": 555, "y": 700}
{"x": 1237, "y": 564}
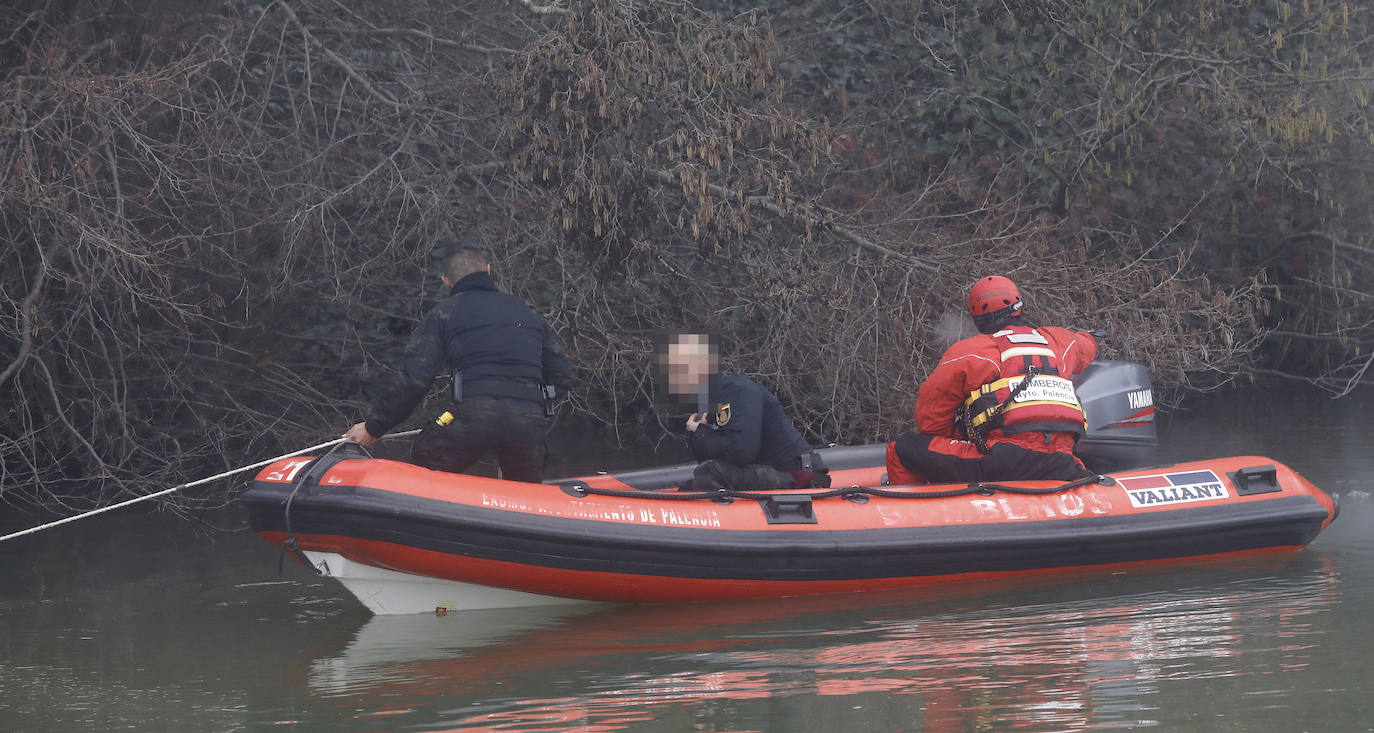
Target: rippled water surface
{"x": 148, "y": 622}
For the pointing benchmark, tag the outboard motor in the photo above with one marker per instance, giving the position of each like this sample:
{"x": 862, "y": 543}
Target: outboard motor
{"x": 1119, "y": 405}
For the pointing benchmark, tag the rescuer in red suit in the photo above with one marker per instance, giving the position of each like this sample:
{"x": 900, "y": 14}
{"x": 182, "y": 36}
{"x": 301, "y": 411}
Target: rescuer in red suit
{"x": 975, "y": 421}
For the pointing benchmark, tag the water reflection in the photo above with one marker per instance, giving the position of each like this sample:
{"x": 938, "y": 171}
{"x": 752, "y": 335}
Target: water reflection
{"x": 1068, "y": 653}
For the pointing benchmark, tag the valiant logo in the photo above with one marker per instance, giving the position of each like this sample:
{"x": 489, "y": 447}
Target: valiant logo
{"x": 1173, "y": 488}
{"x": 1140, "y": 398}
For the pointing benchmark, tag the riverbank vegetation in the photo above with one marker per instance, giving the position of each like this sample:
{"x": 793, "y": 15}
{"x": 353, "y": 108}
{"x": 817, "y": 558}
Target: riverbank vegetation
{"x": 221, "y": 222}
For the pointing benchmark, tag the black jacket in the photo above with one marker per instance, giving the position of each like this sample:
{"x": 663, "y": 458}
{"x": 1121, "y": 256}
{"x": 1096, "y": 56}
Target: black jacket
{"x": 745, "y": 425}
{"x": 496, "y": 341}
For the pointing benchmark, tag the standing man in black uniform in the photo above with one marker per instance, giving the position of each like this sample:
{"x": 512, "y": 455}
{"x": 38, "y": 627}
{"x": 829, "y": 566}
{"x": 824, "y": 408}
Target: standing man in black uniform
{"x": 502, "y": 356}
{"x": 740, "y": 434}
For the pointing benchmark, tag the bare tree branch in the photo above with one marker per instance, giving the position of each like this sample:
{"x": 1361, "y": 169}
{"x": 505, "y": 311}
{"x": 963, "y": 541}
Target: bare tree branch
{"x": 668, "y": 179}
{"x": 26, "y": 311}
{"x": 537, "y": 9}
{"x": 336, "y": 58}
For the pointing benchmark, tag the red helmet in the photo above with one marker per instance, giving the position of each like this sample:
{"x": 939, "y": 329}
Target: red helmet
{"x": 994, "y": 296}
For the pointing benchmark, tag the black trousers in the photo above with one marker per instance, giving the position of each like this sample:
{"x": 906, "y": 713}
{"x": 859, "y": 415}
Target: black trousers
{"x": 717, "y": 474}
{"x": 939, "y": 460}
{"x": 511, "y": 430}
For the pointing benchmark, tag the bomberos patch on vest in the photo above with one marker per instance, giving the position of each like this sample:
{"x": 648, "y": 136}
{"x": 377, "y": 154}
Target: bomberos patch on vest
{"x": 1173, "y": 488}
{"x": 722, "y": 413}
{"x": 1046, "y": 388}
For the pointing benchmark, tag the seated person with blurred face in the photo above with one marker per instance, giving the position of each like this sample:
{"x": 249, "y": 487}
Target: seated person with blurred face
{"x": 1000, "y": 406}
{"x": 739, "y": 433}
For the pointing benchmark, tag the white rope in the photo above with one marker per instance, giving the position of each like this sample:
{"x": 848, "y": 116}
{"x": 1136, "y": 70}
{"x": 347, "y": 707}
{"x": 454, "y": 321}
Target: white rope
{"x": 179, "y": 487}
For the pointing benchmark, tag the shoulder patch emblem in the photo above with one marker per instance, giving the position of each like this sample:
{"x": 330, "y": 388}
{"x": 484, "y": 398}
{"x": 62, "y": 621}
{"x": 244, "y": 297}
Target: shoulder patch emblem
{"x": 722, "y": 413}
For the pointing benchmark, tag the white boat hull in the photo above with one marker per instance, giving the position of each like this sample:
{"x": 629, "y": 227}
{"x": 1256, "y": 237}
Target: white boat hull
{"x": 388, "y": 592}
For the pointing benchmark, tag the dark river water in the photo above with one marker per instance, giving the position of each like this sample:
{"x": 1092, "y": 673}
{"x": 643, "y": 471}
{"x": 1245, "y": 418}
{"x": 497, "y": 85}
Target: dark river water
{"x": 143, "y": 621}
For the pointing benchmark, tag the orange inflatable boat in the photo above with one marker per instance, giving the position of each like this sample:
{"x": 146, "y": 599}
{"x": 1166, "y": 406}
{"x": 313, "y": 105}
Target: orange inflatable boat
{"x": 407, "y": 539}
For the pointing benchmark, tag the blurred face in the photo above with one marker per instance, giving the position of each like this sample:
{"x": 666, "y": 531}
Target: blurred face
{"x": 688, "y": 361}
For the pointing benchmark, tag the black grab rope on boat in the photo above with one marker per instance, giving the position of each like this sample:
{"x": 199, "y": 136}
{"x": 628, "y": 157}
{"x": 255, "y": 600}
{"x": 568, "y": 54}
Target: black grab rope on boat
{"x": 289, "y": 544}
{"x": 302, "y": 477}
{"x": 727, "y": 495}
{"x": 720, "y": 495}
